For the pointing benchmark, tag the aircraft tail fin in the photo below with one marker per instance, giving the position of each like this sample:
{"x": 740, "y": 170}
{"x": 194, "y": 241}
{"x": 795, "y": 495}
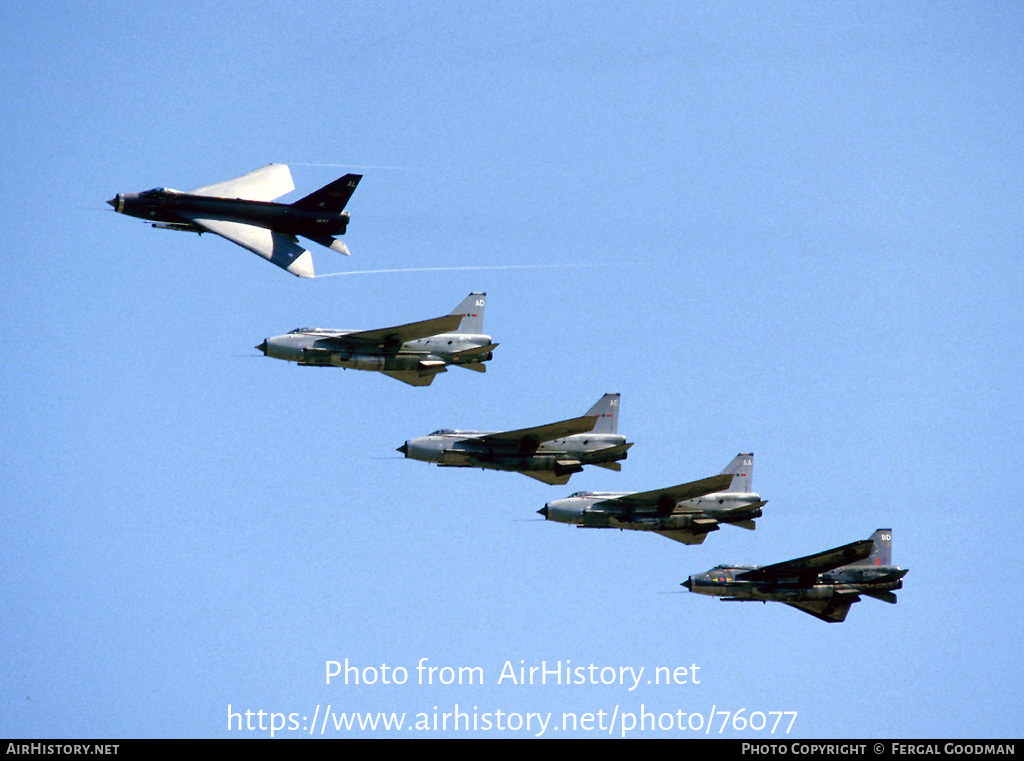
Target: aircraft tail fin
{"x": 472, "y": 311}
{"x": 332, "y": 197}
{"x": 881, "y": 553}
{"x": 607, "y": 411}
{"x": 742, "y": 467}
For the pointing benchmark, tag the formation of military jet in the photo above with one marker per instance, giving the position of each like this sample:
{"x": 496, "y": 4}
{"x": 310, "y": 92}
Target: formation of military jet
{"x": 414, "y": 353}
{"x": 825, "y": 584}
{"x": 550, "y": 453}
{"x": 241, "y": 211}
{"x": 686, "y": 513}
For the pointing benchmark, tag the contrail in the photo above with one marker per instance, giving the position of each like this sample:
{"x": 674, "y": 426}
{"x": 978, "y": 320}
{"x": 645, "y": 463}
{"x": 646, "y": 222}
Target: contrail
{"x": 460, "y": 269}
{"x": 357, "y": 166}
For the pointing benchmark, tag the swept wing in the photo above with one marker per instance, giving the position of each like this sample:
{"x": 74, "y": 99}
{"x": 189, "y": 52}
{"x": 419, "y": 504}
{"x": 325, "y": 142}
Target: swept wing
{"x": 283, "y": 250}
{"x": 398, "y": 334}
{"x": 666, "y": 499}
{"x": 811, "y": 565}
{"x": 265, "y": 184}
{"x": 531, "y": 437}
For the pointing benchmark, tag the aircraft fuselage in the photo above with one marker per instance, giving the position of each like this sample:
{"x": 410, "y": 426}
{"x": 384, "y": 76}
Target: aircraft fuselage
{"x": 464, "y": 449}
{"x": 309, "y": 346}
{"x": 700, "y": 514}
{"x": 175, "y": 210}
{"x": 844, "y": 582}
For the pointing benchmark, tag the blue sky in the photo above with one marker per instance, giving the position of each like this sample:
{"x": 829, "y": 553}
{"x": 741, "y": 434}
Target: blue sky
{"x": 789, "y": 229}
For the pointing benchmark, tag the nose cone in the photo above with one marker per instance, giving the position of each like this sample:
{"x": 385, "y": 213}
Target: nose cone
{"x": 113, "y": 202}
{"x": 404, "y": 449}
{"x": 262, "y": 347}
{"x": 543, "y": 511}
{"x": 688, "y": 584}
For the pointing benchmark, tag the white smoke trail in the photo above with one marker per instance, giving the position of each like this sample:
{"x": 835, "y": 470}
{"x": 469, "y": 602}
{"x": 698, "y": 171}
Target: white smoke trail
{"x": 460, "y": 269}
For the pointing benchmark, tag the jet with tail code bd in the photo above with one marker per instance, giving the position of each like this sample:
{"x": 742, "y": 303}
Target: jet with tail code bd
{"x": 242, "y": 211}
{"x": 824, "y": 585}
{"x": 414, "y": 353}
{"x": 685, "y": 513}
{"x": 550, "y": 453}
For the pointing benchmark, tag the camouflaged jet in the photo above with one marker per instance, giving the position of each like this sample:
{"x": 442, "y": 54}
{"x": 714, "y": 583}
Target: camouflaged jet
{"x": 550, "y": 453}
{"x": 686, "y": 513}
{"x": 824, "y": 585}
{"x": 414, "y": 353}
{"x": 241, "y": 211}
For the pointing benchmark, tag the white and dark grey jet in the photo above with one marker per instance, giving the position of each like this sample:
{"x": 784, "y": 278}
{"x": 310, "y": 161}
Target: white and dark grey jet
{"x": 824, "y": 585}
{"x": 686, "y": 513}
{"x": 413, "y": 353}
{"x": 242, "y": 211}
{"x": 550, "y": 453}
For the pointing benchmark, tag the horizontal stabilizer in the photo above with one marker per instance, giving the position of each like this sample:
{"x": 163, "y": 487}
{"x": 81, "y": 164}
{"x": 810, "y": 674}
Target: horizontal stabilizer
{"x": 888, "y": 597}
{"x": 469, "y": 354}
{"x": 748, "y": 525}
{"x": 608, "y": 465}
{"x": 328, "y": 242}
{"x": 478, "y": 367}
{"x": 609, "y": 451}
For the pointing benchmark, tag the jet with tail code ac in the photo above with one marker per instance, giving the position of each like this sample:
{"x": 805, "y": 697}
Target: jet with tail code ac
{"x": 685, "y": 513}
{"x": 824, "y": 585}
{"x": 242, "y": 211}
{"x": 550, "y": 453}
{"x": 414, "y": 353}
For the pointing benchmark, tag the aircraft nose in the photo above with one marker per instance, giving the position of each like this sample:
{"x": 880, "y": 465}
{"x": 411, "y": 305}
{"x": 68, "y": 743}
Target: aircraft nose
{"x": 688, "y": 584}
{"x": 262, "y": 347}
{"x": 404, "y": 449}
{"x": 543, "y": 511}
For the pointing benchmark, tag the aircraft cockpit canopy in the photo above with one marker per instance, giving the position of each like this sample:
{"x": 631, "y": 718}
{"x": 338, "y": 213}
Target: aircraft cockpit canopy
{"x": 156, "y": 192}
